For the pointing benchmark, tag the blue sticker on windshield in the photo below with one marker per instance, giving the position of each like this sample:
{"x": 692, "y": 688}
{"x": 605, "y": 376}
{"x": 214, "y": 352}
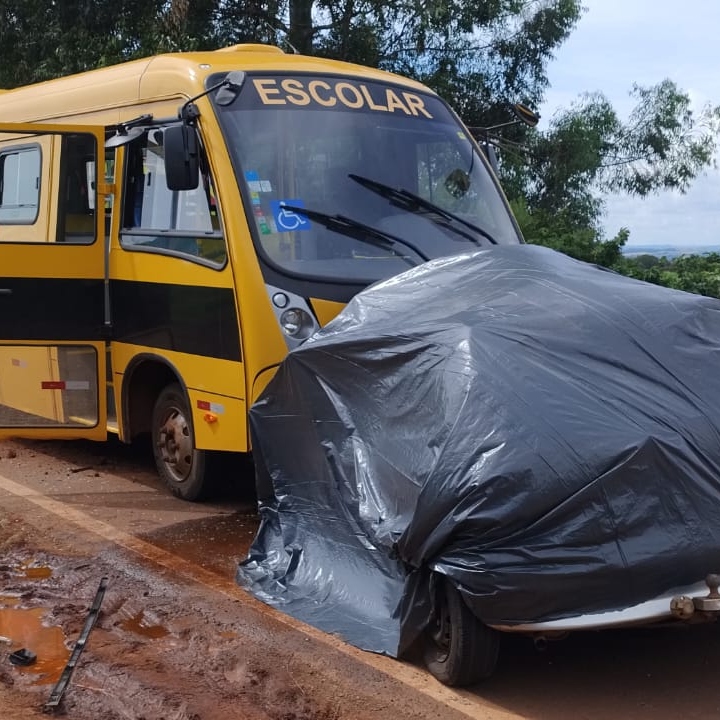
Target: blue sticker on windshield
{"x": 288, "y": 220}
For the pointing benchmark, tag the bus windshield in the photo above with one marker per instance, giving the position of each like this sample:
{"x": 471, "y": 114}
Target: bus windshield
{"x": 387, "y": 176}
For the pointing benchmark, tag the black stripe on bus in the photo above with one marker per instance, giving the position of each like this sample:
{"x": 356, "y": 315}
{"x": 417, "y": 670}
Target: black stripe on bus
{"x": 51, "y": 309}
{"x": 185, "y": 318}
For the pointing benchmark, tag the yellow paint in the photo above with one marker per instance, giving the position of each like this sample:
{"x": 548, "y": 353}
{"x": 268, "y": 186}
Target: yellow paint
{"x": 228, "y": 432}
{"x": 21, "y": 369}
{"x": 89, "y": 102}
{"x": 325, "y": 310}
{"x": 202, "y": 376}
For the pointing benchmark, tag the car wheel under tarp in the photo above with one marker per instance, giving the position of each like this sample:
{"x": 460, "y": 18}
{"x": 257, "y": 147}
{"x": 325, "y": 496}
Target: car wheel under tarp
{"x": 459, "y": 648}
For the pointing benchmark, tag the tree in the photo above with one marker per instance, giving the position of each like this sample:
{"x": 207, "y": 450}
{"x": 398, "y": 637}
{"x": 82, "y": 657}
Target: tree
{"x": 587, "y": 150}
{"x": 560, "y": 231}
{"x": 42, "y": 40}
{"x": 692, "y": 273}
{"x": 479, "y": 56}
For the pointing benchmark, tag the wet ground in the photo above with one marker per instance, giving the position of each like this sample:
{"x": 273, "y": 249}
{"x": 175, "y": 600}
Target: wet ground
{"x": 177, "y": 640}
{"x": 149, "y": 656}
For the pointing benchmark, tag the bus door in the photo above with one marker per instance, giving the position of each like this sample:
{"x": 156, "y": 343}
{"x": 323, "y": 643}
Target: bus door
{"x": 54, "y": 313}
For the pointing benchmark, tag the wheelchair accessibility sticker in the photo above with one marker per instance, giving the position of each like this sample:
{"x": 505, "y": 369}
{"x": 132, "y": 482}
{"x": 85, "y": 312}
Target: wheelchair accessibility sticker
{"x": 288, "y": 220}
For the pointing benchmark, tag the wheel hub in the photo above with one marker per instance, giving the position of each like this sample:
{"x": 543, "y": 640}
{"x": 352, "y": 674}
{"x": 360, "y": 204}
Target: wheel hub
{"x": 175, "y": 445}
{"x": 441, "y": 631}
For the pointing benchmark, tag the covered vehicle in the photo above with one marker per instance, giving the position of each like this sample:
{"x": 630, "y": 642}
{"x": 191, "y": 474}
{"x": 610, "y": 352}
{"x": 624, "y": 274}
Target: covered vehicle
{"x": 505, "y": 440}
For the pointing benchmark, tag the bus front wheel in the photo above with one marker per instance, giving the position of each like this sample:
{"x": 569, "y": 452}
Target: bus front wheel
{"x": 179, "y": 463}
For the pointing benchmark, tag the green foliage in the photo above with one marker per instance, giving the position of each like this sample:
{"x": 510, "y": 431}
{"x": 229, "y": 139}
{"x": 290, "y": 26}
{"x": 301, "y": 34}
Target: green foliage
{"x": 482, "y": 56}
{"x": 562, "y": 166}
{"x": 587, "y": 150}
{"x": 479, "y": 56}
{"x": 692, "y": 273}
{"x": 663, "y": 146}
{"x": 561, "y": 232}
{"x": 43, "y": 40}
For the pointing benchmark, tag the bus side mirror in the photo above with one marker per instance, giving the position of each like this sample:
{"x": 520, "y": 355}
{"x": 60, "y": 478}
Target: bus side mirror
{"x": 182, "y": 164}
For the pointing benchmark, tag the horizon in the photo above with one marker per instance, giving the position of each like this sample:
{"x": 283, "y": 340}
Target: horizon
{"x": 669, "y": 251}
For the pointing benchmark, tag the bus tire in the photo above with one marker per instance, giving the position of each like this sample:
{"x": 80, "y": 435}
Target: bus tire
{"x": 179, "y": 463}
{"x": 459, "y": 649}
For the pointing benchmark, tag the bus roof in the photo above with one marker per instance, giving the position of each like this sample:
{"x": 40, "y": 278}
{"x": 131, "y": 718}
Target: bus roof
{"x": 168, "y": 77}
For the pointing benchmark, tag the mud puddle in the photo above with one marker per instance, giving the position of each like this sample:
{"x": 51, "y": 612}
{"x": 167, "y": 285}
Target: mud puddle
{"x": 158, "y": 651}
{"x": 26, "y": 628}
{"x": 29, "y": 628}
{"x": 144, "y": 626}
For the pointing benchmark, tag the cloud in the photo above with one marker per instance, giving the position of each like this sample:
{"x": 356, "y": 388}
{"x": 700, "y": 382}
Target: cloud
{"x": 621, "y": 42}
{"x": 669, "y": 218}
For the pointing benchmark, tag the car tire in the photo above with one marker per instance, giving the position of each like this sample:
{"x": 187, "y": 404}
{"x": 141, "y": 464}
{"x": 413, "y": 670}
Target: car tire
{"x": 180, "y": 465}
{"x": 459, "y": 649}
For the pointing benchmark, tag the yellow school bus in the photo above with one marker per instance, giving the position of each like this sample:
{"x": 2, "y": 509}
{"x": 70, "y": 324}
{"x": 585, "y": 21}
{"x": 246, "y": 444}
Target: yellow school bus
{"x": 171, "y": 227}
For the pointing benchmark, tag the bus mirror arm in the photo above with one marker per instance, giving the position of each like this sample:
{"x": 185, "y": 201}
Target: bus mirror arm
{"x": 127, "y": 131}
{"x": 227, "y": 90}
{"x": 489, "y": 137}
{"x": 189, "y": 113}
{"x": 182, "y": 164}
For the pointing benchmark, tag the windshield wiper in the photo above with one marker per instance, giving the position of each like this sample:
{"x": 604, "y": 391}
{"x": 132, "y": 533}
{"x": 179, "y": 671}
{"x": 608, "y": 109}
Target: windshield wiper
{"x": 358, "y": 231}
{"x": 415, "y": 204}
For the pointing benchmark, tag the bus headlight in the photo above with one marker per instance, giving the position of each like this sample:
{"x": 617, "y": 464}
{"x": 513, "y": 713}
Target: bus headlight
{"x": 296, "y": 323}
{"x": 294, "y": 315}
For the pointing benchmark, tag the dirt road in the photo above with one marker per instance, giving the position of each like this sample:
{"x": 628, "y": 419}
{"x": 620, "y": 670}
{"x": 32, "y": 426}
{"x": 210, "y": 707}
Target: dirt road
{"x": 177, "y": 640}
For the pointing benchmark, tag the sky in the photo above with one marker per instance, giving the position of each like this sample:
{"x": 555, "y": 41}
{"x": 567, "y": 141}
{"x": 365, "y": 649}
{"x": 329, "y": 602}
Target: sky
{"x": 620, "y": 42}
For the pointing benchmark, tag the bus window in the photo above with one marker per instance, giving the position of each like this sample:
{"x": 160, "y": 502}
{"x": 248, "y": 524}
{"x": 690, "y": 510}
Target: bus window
{"x": 158, "y": 219}
{"x": 19, "y": 185}
{"x": 109, "y": 176}
{"x": 76, "y": 220}
{"x": 333, "y": 153}
{"x": 52, "y": 344}
{"x": 49, "y": 174}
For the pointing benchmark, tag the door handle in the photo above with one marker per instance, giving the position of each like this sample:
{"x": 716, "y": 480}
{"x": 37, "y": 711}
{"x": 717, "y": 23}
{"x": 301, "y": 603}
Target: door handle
{"x": 5, "y": 291}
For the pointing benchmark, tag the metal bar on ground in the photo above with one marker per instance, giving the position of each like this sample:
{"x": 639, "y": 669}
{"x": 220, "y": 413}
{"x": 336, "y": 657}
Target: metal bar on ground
{"x": 62, "y": 683}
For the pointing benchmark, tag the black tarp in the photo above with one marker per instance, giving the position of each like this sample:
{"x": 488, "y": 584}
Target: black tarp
{"x": 542, "y": 432}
